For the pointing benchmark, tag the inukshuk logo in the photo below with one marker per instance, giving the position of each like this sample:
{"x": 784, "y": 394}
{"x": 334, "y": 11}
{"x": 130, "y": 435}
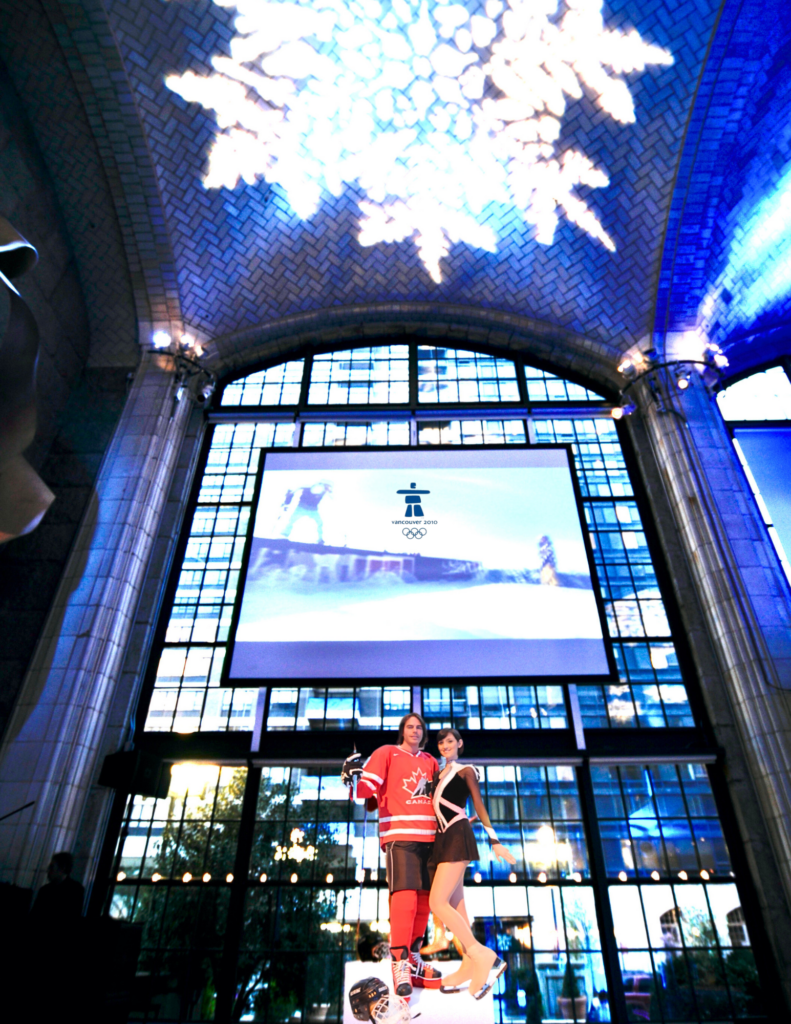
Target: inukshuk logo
{"x": 442, "y": 115}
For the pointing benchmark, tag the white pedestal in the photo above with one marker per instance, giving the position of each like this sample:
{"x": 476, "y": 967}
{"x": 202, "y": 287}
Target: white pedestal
{"x": 433, "y": 1006}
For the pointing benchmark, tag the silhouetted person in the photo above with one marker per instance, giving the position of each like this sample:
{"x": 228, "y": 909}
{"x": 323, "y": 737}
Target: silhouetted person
{"x": 56, "y": 941}
{"x": 60, "y": 900}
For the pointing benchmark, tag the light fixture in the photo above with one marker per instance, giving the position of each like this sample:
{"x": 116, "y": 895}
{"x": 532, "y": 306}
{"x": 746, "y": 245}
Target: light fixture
{"x": 229, "y": 877}
{"x": 624, "y": 409}
{"x": 120, "y": 876}
{"x": 156, "y": 877}
{"x": 705, "y": 875}
{"x": 660, "y": 376}
{"x": 206, "y": 876}
{"x": 263, "y": 877}
{"x": 623, "y": 877}
{"x": 294, "y": 878}
{"x": 542, "y": 877}
{"x": 330, "y": 879}
{"x": 512, "y": 877}
{"x": 683, "y": 876}
{"x": 477, "y": 878}
{"x": 186, "y": 877}
{"x": 161, "y": 340}
{"x": 655, "y": 875}
{"x": 577, "y": 876}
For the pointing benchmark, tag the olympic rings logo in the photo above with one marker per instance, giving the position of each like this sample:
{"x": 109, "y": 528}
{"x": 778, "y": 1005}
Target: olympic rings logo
{"x": 414, "y": 533}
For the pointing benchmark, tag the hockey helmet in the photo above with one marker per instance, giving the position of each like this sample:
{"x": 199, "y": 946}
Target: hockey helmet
{"x": 363, "y": 995}
{"x": 391, "y": 1010}
{"x": 352, "y": 768}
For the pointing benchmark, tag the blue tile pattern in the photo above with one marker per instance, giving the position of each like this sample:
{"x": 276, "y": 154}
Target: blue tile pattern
{"x": 727, "y": 264}
{"x": 244, "y": 258}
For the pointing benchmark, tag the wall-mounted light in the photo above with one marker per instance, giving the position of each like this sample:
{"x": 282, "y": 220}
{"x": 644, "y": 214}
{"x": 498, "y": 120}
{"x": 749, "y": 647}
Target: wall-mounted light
{"x": 161, "y": 340}
{"x": 660, "y": 376}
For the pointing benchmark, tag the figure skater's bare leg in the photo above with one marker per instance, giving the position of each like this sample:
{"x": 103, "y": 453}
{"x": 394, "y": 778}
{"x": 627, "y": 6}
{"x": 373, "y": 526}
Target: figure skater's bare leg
{"x": 449, "y": 877}
{"x": 447, "y": 902}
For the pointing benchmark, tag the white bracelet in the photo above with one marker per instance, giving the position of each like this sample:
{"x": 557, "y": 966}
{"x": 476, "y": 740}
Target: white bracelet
{"x": 491, "y": 834}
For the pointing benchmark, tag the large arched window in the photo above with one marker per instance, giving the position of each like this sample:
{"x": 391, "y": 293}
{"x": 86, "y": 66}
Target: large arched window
{"x": 757, "y": 410}
{"x": 254, "y": 879}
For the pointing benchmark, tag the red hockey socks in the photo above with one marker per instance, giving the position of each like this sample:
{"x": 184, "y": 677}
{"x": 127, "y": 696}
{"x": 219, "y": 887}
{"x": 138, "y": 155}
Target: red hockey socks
{"x": 421, "y": 917}
{"x": 403, "y": 913}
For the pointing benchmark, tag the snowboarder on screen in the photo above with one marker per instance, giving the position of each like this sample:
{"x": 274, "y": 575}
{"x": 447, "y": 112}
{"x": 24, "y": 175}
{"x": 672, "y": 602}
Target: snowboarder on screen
{"x": 307, "y": 501}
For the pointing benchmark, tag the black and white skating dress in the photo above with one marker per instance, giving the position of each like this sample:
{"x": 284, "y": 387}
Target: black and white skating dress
{"x": 454, "y": 840}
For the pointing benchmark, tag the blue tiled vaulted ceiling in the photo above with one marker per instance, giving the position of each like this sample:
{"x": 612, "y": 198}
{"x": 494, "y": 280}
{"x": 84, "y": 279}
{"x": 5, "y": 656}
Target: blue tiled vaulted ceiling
{"x": 726, "y": 270}
{"x": 244, "y": 256}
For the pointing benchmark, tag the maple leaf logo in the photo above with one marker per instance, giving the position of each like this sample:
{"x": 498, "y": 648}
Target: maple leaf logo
{"x": 416, "y": 785}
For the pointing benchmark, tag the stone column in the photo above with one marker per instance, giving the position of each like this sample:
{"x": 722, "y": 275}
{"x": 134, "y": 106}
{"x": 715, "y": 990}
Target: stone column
{"x": 50, "y": 751}
{"x": 737, "y": 613}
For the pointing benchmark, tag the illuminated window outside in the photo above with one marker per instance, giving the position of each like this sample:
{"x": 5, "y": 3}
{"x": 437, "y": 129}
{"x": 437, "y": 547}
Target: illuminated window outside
{"x": 233, "y": 459}
{"x": 659, "y": 818}
{"x": 279, "y": 385}
{"x": 683, "y": 948}
{"x": 683, "y": 953}
{"x": 186, "y": 693}
{"x": 472, "y": 432}
{"x": 650, "y": 694}
{"x": 380, "y": 433}
{"x": 361, "y": 376}
{"x": 441, "y": 115}
{"x": 546, "y": 387}
{"x": 362, "y": 707}
{"x": 452, "y": 375}
{"x": 495, "y": 707}
{"x": 765, "y": 451}
{"x": 762, "y": 396}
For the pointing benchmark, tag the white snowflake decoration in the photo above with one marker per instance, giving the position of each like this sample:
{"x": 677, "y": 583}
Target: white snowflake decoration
{"x": 438, "y": 113}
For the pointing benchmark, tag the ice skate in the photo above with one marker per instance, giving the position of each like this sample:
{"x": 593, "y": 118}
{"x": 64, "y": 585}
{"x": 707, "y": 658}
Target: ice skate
{"x": 423, "y": 974}
{"x": 457, "y": 981}
{"x": 487, "y": 968}
{"x": 402, "y": 971}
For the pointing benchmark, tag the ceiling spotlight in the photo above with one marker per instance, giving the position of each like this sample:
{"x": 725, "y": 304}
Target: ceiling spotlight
{"x": 683, "y": 381}
{"x": 161, "y": 339}
{"x": 627, "y": 368}
{"x": 617, "y": 413}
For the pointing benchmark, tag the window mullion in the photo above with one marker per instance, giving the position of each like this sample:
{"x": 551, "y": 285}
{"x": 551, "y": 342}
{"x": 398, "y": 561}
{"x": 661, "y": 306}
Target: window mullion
{"x": 612, "y": 968}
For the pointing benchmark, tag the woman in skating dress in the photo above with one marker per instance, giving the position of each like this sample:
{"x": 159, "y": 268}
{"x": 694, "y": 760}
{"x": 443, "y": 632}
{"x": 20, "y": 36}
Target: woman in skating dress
{"x": 454, "y": 848}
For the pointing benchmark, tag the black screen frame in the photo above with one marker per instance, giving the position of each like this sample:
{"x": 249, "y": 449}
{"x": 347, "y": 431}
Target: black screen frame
{"x": 239, "y": 682}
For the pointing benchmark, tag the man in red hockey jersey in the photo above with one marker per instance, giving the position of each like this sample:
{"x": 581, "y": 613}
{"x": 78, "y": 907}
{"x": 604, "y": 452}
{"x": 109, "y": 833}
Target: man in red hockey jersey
{"x": 398, "y": 777}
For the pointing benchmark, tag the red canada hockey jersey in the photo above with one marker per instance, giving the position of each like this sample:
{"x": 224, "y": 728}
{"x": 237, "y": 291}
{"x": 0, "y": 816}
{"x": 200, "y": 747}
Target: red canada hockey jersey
{"x": 399, "y": 781}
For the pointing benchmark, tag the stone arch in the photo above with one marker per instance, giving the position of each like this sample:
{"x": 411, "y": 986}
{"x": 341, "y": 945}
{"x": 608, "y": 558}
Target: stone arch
{"x": 561, "y": 351}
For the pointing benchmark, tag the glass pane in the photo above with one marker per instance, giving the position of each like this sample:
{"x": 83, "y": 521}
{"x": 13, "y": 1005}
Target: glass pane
{"x": 317, "y": 435}
{"x": 472, "y": 432}
{"x": 455, "y": 375}
{"x": 279, "y": 385}
{"x": 361, "y": 376}
{"x": 762, "y": 396}
{"x": 546, "y": 387}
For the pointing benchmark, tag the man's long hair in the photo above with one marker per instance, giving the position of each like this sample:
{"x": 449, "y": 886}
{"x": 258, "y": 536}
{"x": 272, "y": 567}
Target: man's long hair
{"x": 403, "y": 722}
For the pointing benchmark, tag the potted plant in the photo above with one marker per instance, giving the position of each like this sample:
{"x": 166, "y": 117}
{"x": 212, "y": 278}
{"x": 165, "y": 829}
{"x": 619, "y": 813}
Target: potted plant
{"x": 572, "y": 1003}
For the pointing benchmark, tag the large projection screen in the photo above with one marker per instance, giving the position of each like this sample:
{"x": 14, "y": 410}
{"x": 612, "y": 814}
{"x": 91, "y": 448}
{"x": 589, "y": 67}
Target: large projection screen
{"x": 417, "y": 565}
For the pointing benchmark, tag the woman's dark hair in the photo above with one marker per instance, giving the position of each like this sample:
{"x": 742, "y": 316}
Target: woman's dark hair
{"x": 450, "y": 732}
{"x": 403, "y": 722}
